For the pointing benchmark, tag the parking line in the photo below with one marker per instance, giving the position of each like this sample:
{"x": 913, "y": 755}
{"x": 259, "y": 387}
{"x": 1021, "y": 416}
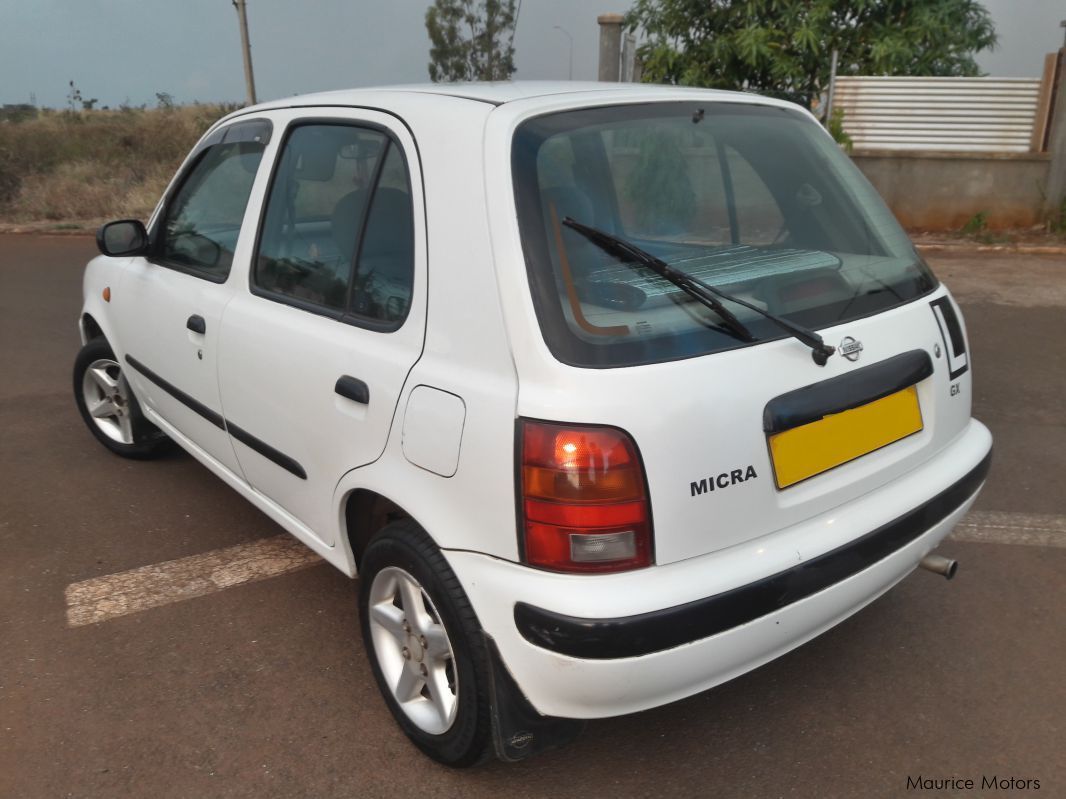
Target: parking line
{"x": 997, "y": 527}
{"x": 102, "y": 598}
{"x": 113, "y": 595}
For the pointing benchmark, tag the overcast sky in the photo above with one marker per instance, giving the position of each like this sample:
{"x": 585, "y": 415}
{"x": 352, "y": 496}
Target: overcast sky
{"x": 127, "y": 50}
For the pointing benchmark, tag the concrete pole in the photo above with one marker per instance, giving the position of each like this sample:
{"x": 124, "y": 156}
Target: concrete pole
{"x": 629, "y": 57}
{"x": 832, "y": 88}
{"x": 610, "y": 46}
{"x": 246, "y": 49}
{"x": 1056, "y": 181}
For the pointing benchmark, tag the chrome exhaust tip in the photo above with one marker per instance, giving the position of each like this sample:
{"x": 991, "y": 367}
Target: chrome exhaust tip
{"x": 940, "y": 565}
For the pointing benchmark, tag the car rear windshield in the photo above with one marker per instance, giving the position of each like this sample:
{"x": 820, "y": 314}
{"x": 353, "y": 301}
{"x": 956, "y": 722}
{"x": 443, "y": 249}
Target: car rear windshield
{"x": 757, "y": 201}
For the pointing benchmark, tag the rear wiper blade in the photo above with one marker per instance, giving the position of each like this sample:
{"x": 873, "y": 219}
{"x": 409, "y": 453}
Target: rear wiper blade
{"x": 624, "y": 250}
{"x": 703, "y": 292}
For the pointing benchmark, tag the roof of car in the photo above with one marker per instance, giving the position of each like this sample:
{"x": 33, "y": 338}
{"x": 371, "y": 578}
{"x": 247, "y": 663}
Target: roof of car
{"x": 496, "y": 93}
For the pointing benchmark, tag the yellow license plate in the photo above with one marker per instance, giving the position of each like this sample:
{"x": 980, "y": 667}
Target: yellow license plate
{"x": 816, "y": 447}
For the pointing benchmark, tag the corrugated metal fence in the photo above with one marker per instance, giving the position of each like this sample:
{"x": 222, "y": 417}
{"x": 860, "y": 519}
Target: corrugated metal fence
{"x": 953, "y": 114}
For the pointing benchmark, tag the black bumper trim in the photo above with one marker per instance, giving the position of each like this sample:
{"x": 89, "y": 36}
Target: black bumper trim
{"x": 633, "y": 636}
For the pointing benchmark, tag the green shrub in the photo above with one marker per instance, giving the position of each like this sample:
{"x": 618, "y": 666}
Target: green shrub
{"x": 976, "y": 224}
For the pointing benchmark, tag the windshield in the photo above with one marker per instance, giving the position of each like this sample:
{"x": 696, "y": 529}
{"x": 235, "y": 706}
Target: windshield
{"x": 754, "y": 200}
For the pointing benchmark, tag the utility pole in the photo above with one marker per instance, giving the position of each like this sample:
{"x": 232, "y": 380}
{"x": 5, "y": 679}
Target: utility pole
{"x": 246, "y": 48}
{"x": 831, "y": 96}
{"x": 570, "y": 60}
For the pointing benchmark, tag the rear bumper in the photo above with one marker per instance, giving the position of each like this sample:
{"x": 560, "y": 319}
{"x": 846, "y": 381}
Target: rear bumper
{"x": 572, "y": 659}
{"x": 643, "y": 634}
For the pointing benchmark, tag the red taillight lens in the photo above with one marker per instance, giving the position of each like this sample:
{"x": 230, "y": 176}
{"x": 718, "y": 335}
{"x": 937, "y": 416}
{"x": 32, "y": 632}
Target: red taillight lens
{"x": 584, "y": 508}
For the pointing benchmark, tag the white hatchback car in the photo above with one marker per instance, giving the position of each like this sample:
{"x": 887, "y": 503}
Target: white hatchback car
{"x": 539, "y": 362}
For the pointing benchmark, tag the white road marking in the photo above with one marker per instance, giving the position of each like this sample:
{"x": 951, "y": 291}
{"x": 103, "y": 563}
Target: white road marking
{"x": 996, "y": 527}
{"x": 103, "y": 598}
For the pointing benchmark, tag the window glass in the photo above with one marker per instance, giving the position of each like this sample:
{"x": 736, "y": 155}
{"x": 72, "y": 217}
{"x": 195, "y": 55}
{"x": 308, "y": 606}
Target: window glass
{"x": 203, "y": 219}
{"x": 755, "y": 200}
{"x": 759, "y": 221}
{"x": 329, "y": 237}
{"x": 382, "y": 289}
{"x": 315, "y": 211}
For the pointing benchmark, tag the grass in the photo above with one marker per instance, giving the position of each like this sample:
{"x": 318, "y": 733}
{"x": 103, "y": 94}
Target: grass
{"x": 1056, "y": 222}
{"x": 976, "y": 224}
{"x": 94, "y": 165}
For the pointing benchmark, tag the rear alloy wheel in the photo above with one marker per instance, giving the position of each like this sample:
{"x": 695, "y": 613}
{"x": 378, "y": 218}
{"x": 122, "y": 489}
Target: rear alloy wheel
{"x": 108, "y": 406}
{"x": 425, "y": 646}
{"x": 413, "y": 650}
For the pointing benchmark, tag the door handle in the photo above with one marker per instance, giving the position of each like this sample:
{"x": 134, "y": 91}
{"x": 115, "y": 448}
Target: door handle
{"x": 352, "y": 388}
{"x": 196, "y": 324}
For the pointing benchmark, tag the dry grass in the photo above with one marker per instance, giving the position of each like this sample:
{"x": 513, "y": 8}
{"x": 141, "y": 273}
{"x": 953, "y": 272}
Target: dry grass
{"x": 94, "y": 165}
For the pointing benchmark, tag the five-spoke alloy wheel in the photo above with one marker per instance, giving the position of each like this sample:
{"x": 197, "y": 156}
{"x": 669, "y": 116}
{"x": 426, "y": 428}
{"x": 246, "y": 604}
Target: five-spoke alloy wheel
{"x": 425, "y": 645}
{"x": 108, "y": 406}
{"x": 106, "y": 397}
{"x": 413, "y": 650}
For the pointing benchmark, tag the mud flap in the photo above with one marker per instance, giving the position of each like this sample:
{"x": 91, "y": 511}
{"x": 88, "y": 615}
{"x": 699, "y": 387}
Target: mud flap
{"x": 518, "y": 730}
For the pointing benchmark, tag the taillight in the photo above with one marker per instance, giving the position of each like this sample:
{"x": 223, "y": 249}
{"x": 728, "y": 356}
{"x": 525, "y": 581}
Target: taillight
{"x": 583, "y": 503}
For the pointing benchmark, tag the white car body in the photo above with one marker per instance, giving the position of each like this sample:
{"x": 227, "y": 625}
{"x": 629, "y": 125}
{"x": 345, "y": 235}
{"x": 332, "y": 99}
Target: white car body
{"x": 437, "y": 438}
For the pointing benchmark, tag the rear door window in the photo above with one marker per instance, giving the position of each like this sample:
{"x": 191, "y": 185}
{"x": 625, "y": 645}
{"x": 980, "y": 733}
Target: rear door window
{"x": 337, "y": 235}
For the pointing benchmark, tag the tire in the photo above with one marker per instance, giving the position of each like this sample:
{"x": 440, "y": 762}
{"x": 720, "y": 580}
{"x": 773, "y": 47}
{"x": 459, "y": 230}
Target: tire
{"x": 109, "y": 408}
{"x": 431, "y": 665}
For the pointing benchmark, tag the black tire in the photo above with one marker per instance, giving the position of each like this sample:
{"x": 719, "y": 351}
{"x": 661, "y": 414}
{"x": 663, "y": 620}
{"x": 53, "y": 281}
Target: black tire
{"x": 403, "y": 545}
{"x": 145, "y": 439}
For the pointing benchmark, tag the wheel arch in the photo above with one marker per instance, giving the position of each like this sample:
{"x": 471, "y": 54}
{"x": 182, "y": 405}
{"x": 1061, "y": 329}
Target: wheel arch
{"x": 365, "y": 514}
{"x": 102, "y": 276}
{"x": 89, "y": 328}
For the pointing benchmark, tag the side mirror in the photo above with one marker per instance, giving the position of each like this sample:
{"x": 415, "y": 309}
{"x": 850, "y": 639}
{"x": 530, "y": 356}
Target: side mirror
{"x": 125, "y": 237}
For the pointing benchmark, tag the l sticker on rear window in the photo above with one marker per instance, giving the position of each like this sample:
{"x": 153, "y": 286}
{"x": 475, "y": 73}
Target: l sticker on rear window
{"x": 951, "y": 332}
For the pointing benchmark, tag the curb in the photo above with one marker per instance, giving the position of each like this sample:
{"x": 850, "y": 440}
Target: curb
{"x": 30, "y": 229}
{"x": 1002, "y": 249}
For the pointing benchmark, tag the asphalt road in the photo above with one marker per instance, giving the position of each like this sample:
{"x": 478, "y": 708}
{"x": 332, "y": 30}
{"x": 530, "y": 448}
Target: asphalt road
{"x": 263, "y": 690}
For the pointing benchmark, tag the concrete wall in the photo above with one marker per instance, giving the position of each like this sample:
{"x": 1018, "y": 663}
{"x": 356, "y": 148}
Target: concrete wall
{"x": 943, "y": 191}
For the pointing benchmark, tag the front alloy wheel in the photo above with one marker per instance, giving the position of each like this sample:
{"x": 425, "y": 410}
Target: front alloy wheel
{"x": 108, "y": 406}
{"x": 106, "y": 397}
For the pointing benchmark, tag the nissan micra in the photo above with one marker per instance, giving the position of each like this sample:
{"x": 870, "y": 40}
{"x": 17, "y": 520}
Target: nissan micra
{"x": 608, "y": 393}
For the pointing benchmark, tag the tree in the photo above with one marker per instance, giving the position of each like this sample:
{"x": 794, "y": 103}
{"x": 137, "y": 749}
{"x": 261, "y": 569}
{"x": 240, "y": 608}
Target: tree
{"x": 471, "y": 39}
{"x": 74, "y": 99}
{"x": 782, "y": 47}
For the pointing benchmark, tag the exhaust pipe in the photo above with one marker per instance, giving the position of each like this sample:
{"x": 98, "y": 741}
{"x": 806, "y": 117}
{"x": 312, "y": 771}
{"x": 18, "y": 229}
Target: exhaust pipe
{"x": 940, "y": 565}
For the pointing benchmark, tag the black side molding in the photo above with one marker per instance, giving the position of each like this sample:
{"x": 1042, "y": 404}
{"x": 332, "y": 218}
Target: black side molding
{"x": 838, "y": 394}
{"x": 633, "y": 636}
{"x": 267, "y": 451}
{"x": 189, "y": 402}
{"x": 246, "y": 438}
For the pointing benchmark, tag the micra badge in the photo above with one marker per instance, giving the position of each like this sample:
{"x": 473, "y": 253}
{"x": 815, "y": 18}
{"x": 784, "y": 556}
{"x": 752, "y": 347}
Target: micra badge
{"x": 850, "y": 348}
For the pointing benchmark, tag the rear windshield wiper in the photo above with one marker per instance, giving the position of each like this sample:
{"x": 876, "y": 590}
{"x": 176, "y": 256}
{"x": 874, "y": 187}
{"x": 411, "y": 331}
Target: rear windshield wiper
{"x": 622, "y": 249}
{"x": 700, "y": 291}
